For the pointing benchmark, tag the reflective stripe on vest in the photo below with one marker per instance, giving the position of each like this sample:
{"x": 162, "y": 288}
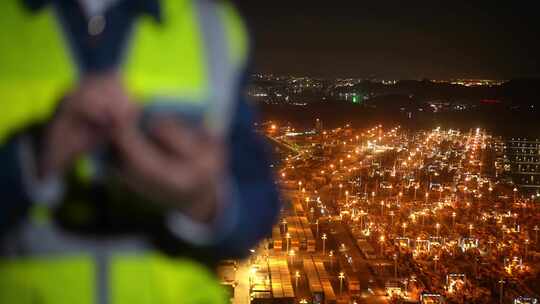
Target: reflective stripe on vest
{"x": 192, "y": 59}
{"x": 48, "y": 265}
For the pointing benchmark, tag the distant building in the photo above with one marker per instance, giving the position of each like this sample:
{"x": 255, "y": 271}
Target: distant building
{"x": 524, "y": 157}
{"x": 347, "y": 93}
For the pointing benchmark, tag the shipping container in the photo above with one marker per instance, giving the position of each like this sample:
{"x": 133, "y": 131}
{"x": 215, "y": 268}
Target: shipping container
{"x": 282, "y": 290}
{"x": 277, "y": 240}
{"x": 315, "y": 286}
{"x": 308, "y": 233}
{"x": 330, "y": 297}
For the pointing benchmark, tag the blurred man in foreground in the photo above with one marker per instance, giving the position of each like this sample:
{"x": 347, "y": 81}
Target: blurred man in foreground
{"x": 128, "y": 159}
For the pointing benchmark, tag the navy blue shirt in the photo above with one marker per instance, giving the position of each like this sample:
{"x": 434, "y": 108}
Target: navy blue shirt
{"x": 104, "y": 50}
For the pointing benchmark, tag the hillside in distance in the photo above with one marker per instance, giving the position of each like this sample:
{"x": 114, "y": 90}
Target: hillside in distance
{"x": 501, "y": 120}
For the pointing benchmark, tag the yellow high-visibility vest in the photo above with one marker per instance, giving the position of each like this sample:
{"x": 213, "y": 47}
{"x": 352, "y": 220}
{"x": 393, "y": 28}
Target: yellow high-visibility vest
{"x": 194, "y": 58}
{"x": 130, "y": 278}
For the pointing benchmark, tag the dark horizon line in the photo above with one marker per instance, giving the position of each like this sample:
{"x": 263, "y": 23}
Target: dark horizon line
{"x": 374, "y": 77}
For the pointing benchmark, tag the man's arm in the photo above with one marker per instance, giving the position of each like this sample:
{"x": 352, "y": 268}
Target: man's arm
{"x": 256, "y": 195}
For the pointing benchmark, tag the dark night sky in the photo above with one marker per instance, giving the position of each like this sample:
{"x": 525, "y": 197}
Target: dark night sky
{"x": 396, "y": 39}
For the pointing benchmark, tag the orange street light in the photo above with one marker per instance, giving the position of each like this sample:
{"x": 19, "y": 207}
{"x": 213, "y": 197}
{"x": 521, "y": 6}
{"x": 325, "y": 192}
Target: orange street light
{"x": 341, "y": 277}
{"x": 324, "y": 237}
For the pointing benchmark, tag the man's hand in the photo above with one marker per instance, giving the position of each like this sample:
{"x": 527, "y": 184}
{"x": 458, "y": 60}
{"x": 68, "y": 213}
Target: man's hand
{"x": 175, "y": 164}
{"x": 83, "y": 121}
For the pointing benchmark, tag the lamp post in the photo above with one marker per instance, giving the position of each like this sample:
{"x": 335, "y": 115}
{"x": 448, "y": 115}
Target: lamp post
{"x": 453, "y": 220}
{"x": 438, "y": 227}
{"x": 501, "y": 283}
{"x": 526, "y": 248}
{"x": 341, "y": 277}
{"x": 317, "y": 224}
{"x": 291, "y": 255}
{"x": 296, "y": 277}
{"x": 515, "y": 195}
{"x": 381, "y": 241}
{"x": 392, "y": 214}
{"x": 470, "y": 230}
{"x": 365, "y": 189}
{"x": 395, "y": 266}
{"x": 435, "y": 259}
{"x": 404, "y": 226}
{"x": 331, "y": 255}
{"x": 288, "y": 238}
{"x": 324, "y": 243}
{"x": 382, "y": 208}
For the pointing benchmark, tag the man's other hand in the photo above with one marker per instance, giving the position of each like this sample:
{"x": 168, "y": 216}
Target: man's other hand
{"x": 83, "y": 121}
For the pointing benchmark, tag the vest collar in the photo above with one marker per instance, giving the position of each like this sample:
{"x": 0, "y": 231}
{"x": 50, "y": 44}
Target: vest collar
{"x": 148, "y": 7}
